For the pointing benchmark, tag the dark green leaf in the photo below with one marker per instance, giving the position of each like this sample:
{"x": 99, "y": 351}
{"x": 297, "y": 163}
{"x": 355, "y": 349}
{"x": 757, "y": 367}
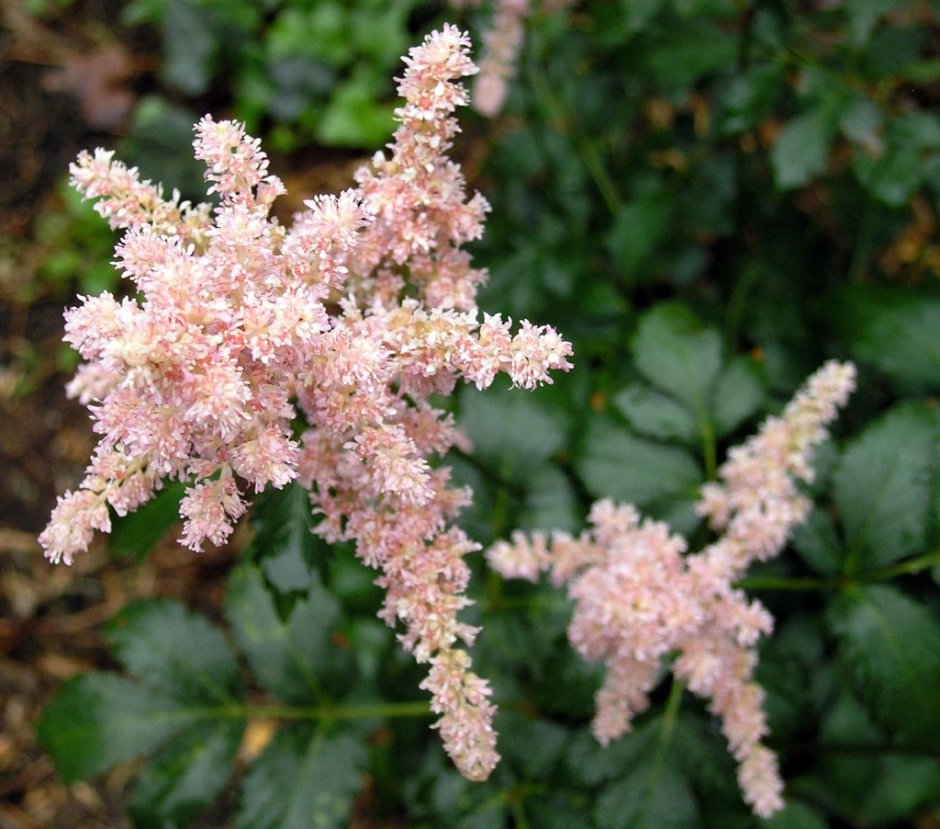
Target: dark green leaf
{"x": 737, "y": 395}
{"x": 550, "y": 502}
{"x": 520, "y": 734}
{"x": 97, "y": 720}
{"x": 303, "y": 780}
{"x": 183, "y": 779}
{"x": 802, "y": 148}
{"x": 656, "y": 414}
{"x": 616, "y": 464}
{"x": 895, "y": 174}
{"x": 176, "y": 652}
{"x": 652, "y": 796}
{"x": 818, "y": 544}
{"x": 683, "y": 52}
{"x": 750, "y": 97}
{"x": 284, "y": 543}
{"x": 796, "y": 815}
{"x": 902, "y": 786}
{"x": 292, "y": 659}
{"x": 588, "y": 763}
{"x": 189, "y": 45}
{"x": 895, "y": 331}
{"x": 863, "y": 14}
{"x": 511, "y": 430}
{"x": 882, "y": 486}
{"x": 555, "y": 810}
{"x": 892, "y": 646}
{"x": 638, "y": 228}
{"x": 676, "y": 354}
{"x": 140, "y": 531}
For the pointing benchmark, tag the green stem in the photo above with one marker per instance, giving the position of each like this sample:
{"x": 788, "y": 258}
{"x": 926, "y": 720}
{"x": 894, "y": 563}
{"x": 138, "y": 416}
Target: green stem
{"x": 903, "y": 568}
{"x": 585, "y": 148}
{"x": 248, "y": 711}
{"x": 669, "y": 719}
{"x": 709, "y": 447}
{"x": 785, "y": 583}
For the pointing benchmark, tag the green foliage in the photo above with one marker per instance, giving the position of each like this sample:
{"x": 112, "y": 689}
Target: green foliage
{"x": 321, "y": 70}
{"x": 709, "y": 199}
{"x": 183, "y": 705}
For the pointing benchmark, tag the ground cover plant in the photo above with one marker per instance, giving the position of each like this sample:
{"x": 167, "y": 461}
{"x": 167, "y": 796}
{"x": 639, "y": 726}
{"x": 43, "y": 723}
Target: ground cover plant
{"x": 722, "y": 207}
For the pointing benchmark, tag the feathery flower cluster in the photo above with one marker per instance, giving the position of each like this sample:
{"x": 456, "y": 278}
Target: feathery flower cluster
{"x": 349, "y": 320}
{"x": 637, "y": 598}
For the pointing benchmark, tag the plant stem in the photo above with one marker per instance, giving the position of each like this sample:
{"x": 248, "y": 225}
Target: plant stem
{"x": 911, "y": 565}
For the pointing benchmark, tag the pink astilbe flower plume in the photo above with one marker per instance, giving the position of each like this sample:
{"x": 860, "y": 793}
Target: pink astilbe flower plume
{"x": 502, "y": 44}
{"x": 638, "y": 598}
{"x": 349, "y": 319}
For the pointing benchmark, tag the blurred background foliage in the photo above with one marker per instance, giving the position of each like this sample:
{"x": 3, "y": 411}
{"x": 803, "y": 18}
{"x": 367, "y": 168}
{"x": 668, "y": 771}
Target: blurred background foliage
{"x": 709, "y": 198}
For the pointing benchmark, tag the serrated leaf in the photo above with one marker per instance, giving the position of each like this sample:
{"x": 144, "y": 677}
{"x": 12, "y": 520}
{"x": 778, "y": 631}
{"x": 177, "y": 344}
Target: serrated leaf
{"x": 737, "y": 395}
{"x": 655, "y": 414}
{"x": 511, "y": 430}
{"x": 302, "y": 780}
{"x": 284, "y": 543}
{"x": 100, "y": 719}
{"x": 616, "y": 464}
{"x": 176, "y": 652}
{"x": 818, "y": 544}
{"x": 892, "y": 647}
{"x": 292, "y": 659}
{"x": 896, "y": 331}
{"x": 139, "y": 532}
{"x": 674, "y": 353}
{"x": 652, "y": 796}
{"x": 185, "y": 777}
{"x": 550, "y": 502}
{"x": 882, "y": 486}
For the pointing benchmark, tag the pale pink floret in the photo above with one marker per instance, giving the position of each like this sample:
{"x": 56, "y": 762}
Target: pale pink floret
{"x": 245, "y": 326}
{"x": 637, "y": 598}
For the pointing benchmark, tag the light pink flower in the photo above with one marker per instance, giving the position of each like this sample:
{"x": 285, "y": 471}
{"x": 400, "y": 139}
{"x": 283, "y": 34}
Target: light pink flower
{"x": 637, "y": 598}
{"x": 347, "y": 320}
